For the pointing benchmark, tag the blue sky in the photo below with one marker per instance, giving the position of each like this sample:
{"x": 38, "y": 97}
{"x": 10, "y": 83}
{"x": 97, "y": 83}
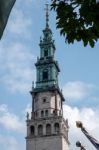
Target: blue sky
{"x": 79, "y": 76}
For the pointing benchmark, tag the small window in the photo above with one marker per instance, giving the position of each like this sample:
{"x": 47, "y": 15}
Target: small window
{"x": 46, "y": 113}
{"x": 42, "y": 113}
{"x": 32, "y": 130}
{"x": 45, "y": 75}
{"x": 46, "y": 53}
{"x": 44, "y": 100}
{"x": 54, "y": 112}
{"x": 56, "y": 127}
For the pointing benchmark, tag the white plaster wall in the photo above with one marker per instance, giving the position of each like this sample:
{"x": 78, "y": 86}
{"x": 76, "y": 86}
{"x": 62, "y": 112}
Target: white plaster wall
{"x": 49, "y": 104}
{"x": 65, "y": 145}
{"x": 39, "y": 105}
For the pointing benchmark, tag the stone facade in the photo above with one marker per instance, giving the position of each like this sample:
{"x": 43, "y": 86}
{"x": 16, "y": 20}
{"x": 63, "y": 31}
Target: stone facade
{"x": 47, "y": 134}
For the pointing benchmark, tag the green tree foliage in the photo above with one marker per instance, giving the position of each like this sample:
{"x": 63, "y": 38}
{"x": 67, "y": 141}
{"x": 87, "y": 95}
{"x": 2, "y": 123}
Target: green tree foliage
{"x": 77, "y": 20}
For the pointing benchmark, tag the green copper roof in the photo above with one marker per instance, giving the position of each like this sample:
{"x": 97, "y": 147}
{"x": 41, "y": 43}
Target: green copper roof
{"x": 47, "y": 67}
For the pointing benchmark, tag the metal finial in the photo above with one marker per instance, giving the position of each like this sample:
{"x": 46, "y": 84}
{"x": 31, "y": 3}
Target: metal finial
{"x": 47, "y": 15}
{"x": 78, "y": 144}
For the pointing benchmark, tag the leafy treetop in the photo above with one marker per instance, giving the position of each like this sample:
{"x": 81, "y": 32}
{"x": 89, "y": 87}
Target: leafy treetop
{"x": 77, "y": 20}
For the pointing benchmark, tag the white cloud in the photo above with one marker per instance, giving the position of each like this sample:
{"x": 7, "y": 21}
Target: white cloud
{"x": 21, "y": 17}
{"x": 10, "y": 121}
{"x": 28, "y": 108}
{"x": 20, "y": 24}
{"x": 77, "y": 90}
{"x": 8, "y": 142}
{"x": 13, "y": 130}
{"x": 16, "y": 64}
{"x": 90, "y": 119}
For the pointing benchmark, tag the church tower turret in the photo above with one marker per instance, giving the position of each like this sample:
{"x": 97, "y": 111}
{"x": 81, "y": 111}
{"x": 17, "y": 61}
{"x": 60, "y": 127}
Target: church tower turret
{"x": 47, "y": 67}
{"x": 47, "y": 129}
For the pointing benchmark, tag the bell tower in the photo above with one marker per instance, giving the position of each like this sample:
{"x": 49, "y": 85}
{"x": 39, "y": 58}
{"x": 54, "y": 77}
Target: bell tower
{"x": 47, "y": 67}
{"x": 46, "y": 127}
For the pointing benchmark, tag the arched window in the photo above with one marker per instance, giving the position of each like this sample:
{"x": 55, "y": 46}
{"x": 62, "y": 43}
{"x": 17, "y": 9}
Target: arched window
{"x": 54, "y": 112}
{"x": 45, "y": 74}
{"x": 46, "y": 53}
{"x": 32, "y": 130}
{"x": 56, "y": 127}
{"x": 46, "y": 113}
{"x": 42, "y": 113}
{"x": 40, "y": 130}
{"x": 48, "y": 129}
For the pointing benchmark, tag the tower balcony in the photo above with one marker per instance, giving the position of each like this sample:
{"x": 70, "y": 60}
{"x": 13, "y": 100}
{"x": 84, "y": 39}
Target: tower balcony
{"x": 46, "y": 61}
{"x": 53, "y": 126}
{"x": 46, "y": 84}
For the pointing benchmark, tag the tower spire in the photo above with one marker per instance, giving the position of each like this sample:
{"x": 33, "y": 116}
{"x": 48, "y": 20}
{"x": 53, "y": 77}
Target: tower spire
{"x": 47, "y": 15}
{"x": 44, "y": 127}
